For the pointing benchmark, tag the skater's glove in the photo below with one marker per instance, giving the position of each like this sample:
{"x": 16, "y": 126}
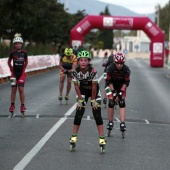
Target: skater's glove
{"x": 114, "y": 94}
{"x": 65, "y": 71}
{"x": 94, "y": 104}
{"x": 80, "y": 104}
{"x": 104, "y": 75}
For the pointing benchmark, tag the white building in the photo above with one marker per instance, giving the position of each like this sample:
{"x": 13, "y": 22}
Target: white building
{"x": 139, "y": 43}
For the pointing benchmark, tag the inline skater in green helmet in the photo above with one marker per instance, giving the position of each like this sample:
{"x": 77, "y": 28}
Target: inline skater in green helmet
{"x": 85, "y": 80}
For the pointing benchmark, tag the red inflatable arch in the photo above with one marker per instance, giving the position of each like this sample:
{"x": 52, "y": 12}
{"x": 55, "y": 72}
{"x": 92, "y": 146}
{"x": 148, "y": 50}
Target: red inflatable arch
{"x": 123, "y": 23}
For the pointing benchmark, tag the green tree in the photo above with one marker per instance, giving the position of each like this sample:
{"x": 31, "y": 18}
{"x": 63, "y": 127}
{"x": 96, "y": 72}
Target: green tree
{"x": 164, "y": 18}
{"x": 106, "y": 36}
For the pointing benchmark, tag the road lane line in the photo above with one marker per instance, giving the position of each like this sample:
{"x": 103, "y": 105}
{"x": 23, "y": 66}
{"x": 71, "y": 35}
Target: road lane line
{"x": 30, "y": 155}
{"x": 117, "y": 119}
{"x": 38, "y": 116}
{"x": 88, "y": 117}
{"x": 147, "y": 122}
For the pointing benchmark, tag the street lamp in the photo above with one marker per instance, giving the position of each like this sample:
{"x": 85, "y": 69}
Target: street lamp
{"x": 169, "y": 36}
{"x": 157, "y": 14}
{"x": 67, "y": 5}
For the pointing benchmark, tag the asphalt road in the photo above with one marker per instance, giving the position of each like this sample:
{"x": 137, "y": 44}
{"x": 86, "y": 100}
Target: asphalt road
{"x": 40, "y": 140}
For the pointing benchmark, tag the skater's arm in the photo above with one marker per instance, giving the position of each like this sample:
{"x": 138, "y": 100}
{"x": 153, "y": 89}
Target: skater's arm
{"x": 25, "y": 64}
{"x": 94, "y": 90}
{"x": 77, "y": 89}
{"x": 60, "y": 66}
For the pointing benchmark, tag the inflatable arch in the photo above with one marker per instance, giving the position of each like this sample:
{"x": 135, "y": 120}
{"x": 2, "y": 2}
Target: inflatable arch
{"x": 123, "y": 23}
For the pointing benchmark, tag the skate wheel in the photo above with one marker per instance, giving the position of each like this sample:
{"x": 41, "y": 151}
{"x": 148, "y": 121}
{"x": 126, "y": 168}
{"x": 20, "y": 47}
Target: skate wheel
{"x": 22, "y": 114}
{"x": 102, "y": 149}
{"x": 11, "y": 114}
{"x": 123, "y": 134}
{"x": 72, "y": 148}
{"x": 109, "y": 132}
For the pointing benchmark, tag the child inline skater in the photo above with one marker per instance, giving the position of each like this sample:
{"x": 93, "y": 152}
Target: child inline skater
{"x": 117, "y": 79}
{"x": 68, "y": 61}
{"x": 86, "y": 85}
{"x": 20, "y": 62}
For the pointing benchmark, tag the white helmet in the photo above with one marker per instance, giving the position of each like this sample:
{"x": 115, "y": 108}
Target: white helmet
{"x": 18, "y": 39}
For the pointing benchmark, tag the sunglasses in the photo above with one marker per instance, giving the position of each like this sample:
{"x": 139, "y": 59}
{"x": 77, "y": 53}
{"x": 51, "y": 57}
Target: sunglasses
{"x": 119, "y": 63}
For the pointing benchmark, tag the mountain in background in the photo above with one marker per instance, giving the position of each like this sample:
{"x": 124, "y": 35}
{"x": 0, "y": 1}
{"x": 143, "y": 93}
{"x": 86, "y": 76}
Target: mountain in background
{"x": 94, "y": 7}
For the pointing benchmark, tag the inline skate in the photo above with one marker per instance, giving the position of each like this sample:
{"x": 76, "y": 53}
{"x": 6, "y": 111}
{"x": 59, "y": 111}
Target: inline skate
{"x": 60, "y": 98}
{"x": 110, "y": 127}
{"x": 105, "y": 102}
{"x": 73, "y": 141}
{"x": 102, "y": 143}
{"x": 22, "y": 110}
{"x": 66, "y": 99}
{"x": 11, "y": 110}
{"x": 123, "y": 129}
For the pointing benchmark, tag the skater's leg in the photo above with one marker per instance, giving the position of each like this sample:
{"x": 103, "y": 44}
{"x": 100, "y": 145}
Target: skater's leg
{"x": 77, "y": 120}
{"x": 99, "y": 120}
{"x": 21, "y": 94}
{"x": 61, "y": 86}
{"x": 69, "y": 81}
{"x": 13, "y": 93}
{"x": 99, "y": 123}
{"x": 13, "y": 96}
{"x": 76, "y": 126}
{"x": 22, "y": 97}
{"x": 110, "y": 114}
{"x": 122, "y": 112}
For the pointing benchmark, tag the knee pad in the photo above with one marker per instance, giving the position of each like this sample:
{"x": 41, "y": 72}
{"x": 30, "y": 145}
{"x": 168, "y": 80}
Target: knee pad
{"x": 111, "y": 103}
{"x": 78, "y": 116}
{"x": 21, "y": 85}
{"x": 97, "y": 116}
{"x": 122, "y": 103}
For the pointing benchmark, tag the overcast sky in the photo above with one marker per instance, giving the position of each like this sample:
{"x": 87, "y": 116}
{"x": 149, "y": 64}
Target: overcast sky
{"x": 139, "y": 6}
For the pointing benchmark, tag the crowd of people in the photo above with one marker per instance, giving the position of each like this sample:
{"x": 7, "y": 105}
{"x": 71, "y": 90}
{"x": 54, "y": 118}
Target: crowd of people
{"x": 76, "y": 66}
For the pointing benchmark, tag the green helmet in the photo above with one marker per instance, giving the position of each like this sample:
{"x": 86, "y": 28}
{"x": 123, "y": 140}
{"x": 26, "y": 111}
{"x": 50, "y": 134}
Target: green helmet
{"x": 84, "y": 54}
{"x": 68, "y": 51}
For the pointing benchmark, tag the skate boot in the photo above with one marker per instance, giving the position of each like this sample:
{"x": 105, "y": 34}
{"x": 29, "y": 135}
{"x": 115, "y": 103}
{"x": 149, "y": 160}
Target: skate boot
{"x": 11, "y": 110}
{"x": 110, "y": 127}
{"x": 22, "y": 110}
{"x": 60, "y": 98}
{"x": 66, "y": 99}
{"x": 123, "y": 128}
{"x": 102, "y": 143}
{"x": 105, "y": 101}
{"x": 73, "y": 141}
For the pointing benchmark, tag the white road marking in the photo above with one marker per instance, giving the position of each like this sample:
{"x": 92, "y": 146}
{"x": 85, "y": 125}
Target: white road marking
{"x": 38, "y": 116}
{"x": 88, "y": 117}
{"x": 147, "y": 122}
{"x": 117, "y": 119}
{"x": 30, "y": 155}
